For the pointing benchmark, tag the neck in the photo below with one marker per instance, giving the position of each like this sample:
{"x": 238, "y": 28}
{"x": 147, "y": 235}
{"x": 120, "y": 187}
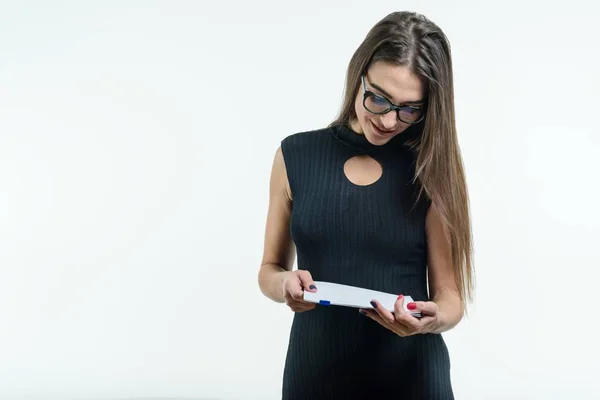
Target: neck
{"x": 353, "y": 136}
{"x": 355, "y": 126}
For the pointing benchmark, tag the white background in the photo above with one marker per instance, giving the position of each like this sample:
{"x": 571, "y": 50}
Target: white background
{"x": 136, "y": 141}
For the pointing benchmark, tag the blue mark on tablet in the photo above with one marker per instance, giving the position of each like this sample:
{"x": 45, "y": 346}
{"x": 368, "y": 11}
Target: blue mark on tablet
{"x": 324, "y": 302}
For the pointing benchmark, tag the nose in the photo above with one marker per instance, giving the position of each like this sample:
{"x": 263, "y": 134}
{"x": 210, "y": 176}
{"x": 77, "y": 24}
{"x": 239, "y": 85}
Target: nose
{"x": 389, "y": 120}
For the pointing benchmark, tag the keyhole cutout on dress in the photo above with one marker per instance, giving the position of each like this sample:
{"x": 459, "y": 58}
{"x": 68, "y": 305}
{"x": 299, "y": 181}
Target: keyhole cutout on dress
{"x": 362, "y": 170}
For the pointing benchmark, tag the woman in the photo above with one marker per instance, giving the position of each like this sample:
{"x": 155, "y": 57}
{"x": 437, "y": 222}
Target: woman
{"x": 377, "y": 199}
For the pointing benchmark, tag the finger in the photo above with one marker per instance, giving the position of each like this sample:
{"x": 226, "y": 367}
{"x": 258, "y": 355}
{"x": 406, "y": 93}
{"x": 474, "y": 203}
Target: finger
{"x": 294, "y": 290}
{"x": 306, "y": 281}
{"x": 424, "y": 307}
{"x": 299, "y": 303}
{"x": 396, "y": 328}
{"x": 383, "y": 313}
{"x": 401, "y": 316}
{"x": 301, "y": 307}
{"x": 428, "y": 321}
{"x": 399, "y": 306}
{"x": 407, "y": 320}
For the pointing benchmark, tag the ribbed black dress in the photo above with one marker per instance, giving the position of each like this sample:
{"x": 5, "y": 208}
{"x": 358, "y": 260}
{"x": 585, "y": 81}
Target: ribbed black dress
{"x": 369, "y": 236}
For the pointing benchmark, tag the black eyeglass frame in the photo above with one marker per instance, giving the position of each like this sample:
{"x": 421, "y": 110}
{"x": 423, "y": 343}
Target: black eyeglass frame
{"x": 391, "y": 106}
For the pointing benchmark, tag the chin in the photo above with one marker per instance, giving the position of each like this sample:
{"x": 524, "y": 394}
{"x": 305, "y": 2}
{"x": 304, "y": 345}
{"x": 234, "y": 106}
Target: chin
{"x": 376, "y": 137}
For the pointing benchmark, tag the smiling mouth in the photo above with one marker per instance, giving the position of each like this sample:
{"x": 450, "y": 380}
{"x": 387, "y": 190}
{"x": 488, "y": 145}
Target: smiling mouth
{"x": 381, "y": 130}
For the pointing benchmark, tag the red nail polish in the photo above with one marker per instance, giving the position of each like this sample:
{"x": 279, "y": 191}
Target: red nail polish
{"x": 411, "y": 306}
{"x": 399, "y": 297}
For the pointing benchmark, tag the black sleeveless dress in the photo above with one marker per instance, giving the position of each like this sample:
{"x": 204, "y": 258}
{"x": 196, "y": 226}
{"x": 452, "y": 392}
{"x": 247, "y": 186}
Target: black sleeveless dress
{"x": 369, "y": 236}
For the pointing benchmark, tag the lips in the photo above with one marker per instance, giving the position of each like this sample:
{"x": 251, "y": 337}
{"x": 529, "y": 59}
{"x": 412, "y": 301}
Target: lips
{"x": 382, "y": 131}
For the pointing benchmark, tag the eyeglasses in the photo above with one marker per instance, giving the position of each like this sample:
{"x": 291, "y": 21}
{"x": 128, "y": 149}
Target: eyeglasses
{"x": 377, "y": 104}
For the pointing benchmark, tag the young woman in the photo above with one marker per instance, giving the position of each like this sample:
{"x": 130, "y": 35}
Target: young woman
{"x": 377, "y": 199}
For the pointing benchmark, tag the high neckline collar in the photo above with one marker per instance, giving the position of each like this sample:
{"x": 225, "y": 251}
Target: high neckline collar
{"x": 345, "y": 134}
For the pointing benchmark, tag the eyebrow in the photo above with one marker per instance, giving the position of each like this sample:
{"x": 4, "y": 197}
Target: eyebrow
{"x": 391, "y": 97}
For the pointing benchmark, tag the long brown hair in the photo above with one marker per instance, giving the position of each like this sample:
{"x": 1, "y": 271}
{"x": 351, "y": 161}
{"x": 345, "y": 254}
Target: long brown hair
{"x": 411, "y": 40}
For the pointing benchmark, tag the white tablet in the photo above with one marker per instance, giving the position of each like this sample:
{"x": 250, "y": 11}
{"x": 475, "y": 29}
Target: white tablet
{"x": 329, "y": 293}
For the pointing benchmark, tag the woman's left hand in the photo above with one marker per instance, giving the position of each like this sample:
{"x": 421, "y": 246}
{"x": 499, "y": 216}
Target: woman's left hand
{"x": 403, "y": 323}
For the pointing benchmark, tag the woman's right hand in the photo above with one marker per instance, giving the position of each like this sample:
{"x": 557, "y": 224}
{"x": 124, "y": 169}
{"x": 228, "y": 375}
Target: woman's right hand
{"x": 294, "y": 285}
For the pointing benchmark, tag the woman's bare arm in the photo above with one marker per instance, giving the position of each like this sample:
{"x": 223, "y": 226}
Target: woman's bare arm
{"x": 442, "y": 285}
{"x": 279, "y": 250}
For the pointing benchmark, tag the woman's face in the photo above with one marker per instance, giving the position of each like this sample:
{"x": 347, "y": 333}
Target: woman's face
{"x": 399, "y": 86}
